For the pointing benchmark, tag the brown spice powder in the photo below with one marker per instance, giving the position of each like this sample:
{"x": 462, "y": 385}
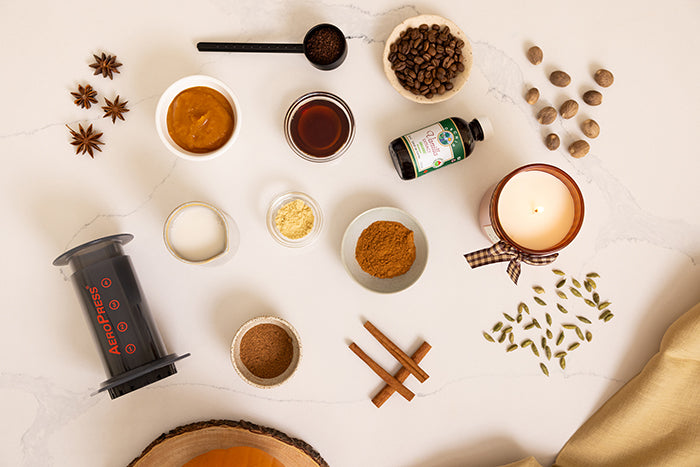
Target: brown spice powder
{"x": 385, "y": 249}
{"x": 266, "y": 350}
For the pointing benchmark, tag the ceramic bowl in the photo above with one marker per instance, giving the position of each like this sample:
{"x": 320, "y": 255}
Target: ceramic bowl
{"x": 243, "y": 372}
{"x": 457, "y": 81}
{"x": 352, "y": 234}
{"x": 162, "y": 115}
{"x": 282, "y": 200}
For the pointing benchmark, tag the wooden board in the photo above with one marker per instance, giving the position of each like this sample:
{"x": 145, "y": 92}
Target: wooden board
{"x": 188, "y": 441}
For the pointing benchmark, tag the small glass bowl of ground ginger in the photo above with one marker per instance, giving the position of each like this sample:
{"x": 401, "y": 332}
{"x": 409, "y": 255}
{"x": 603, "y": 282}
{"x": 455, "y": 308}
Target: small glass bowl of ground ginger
{"x": 294, "y": 219}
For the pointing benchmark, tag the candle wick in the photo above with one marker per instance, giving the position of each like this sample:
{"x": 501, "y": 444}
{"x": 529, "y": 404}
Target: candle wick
{"x": 538, "y": 209}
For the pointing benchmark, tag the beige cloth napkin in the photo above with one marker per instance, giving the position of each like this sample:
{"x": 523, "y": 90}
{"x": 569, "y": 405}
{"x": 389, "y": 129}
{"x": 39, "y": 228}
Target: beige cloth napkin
{"x": 654, "y": 419}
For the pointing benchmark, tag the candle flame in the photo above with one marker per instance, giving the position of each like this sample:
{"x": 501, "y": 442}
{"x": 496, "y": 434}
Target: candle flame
{"x": 538, "y": 209}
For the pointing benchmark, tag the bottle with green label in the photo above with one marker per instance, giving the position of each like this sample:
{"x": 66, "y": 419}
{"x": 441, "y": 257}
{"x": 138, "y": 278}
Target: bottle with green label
{"x": 437, "y": 145}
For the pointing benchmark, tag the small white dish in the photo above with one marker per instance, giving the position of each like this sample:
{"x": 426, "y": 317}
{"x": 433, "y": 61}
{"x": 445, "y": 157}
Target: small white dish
{"x": 281, "y": 201}
{"x": 244, "y": 372}
{"x": 352, "y": 234}
{"x": 164, "y": 104}
{"x": 458, "y": 81}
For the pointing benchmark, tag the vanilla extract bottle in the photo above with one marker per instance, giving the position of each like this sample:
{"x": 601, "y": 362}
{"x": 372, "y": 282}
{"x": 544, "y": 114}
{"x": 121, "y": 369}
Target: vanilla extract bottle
{"x": 437, "y": 145}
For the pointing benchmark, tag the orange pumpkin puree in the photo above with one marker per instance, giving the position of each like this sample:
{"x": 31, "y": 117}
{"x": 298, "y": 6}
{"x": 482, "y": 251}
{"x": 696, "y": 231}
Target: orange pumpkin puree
{"x": 239, "y": 456}
{"x": 200, "y": 119}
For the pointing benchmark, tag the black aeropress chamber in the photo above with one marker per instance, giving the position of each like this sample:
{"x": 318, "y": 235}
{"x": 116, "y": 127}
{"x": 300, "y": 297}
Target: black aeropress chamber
{"x": 132, "y": 350}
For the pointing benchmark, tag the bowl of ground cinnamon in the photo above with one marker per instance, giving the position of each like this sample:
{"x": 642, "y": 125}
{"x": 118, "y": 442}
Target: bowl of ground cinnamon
{"x": 385, "y": 250}
{"x": 265, "y": 351}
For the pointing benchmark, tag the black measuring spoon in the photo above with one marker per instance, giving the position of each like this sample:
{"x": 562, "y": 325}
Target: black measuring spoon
{"x": 324, "y": 46}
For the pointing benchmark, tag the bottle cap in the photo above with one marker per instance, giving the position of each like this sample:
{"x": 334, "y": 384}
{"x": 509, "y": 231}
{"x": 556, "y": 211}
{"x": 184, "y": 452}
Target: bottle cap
{"x": 486, "y": 126}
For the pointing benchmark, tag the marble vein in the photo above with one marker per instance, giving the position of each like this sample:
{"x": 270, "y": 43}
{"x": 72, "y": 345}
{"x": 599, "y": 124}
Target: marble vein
{"x": 143, "y": 203}
{"x": 34, "y": 131}
{"x": 55, "y": 407}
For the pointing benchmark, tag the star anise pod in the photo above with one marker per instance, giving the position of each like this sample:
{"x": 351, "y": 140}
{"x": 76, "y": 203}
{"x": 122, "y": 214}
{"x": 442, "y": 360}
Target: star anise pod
{"x": 115, "y": 109}
{"x": 105, "y": 65}
{"x": 85, "y": 141}
{"x": 85, "y": 96}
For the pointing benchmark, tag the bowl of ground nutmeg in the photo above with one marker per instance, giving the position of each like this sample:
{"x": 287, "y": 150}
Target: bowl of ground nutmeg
{"x": 385, "y": 250}
{"x": 265, "y": 351}
{"x": 427, "y": 59}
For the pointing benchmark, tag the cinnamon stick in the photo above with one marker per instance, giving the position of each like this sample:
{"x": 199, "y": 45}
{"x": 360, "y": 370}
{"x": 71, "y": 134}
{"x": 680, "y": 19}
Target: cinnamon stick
{"x": 382, "y": 373}
{"x": 385, "y": 393}
{"x": 398, "y": 354}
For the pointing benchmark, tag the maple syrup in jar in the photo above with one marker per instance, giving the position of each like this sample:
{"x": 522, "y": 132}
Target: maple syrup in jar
{"x": 319, "y": 126}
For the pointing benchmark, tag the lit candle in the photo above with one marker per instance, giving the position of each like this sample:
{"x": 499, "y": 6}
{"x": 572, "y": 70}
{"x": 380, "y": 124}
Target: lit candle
{"x": 537, "y": 208}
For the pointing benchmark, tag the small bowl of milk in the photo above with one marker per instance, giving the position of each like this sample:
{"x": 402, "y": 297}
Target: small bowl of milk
{"x": 200, "y": 233}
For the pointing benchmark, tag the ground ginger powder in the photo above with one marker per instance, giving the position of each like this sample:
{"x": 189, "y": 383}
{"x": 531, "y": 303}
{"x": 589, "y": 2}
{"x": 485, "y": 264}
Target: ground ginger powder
{"x": 295, "y": 219}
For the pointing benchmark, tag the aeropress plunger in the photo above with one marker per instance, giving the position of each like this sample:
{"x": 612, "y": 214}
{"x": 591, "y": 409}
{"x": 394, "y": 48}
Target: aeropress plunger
{"x": 132, "y": 351}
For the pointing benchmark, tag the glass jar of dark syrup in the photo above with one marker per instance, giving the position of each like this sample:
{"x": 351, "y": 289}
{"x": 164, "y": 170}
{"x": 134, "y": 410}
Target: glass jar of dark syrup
{"x": 319, "y": 126}
{"x": 437, "y": 145}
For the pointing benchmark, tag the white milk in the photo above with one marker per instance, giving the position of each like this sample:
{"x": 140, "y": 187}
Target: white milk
{"x": 197, "y": 233}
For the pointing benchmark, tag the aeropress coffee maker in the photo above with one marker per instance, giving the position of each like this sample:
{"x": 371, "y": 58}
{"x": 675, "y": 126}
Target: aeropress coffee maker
{"x": 132, "y": 350}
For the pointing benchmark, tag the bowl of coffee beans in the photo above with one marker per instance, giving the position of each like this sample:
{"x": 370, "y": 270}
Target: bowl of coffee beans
{"x": 427, "y": 59}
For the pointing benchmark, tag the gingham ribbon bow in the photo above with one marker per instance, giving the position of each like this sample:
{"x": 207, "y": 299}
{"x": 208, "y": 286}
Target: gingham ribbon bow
{"x": 502, "y": 251}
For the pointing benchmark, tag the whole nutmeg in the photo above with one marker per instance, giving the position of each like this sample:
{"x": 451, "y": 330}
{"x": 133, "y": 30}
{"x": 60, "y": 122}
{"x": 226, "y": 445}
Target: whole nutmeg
{"x": 551, "y": 141}
{"x": 534, "y": 54}
{"x": 590, "y": 128}
{"x": 532, "y": 96}
{"x": 592, "y": 97}
{"x": 579, "y": 148}
{"x": 560, "y": 78}
{"x": 603, "y": 77}
{"x": 547, "y": 115}
{"x": 568, "y": 109}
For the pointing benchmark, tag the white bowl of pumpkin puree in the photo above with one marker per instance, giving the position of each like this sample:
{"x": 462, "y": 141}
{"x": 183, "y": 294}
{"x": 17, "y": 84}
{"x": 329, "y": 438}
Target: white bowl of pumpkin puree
{"x": 198, "y": 118}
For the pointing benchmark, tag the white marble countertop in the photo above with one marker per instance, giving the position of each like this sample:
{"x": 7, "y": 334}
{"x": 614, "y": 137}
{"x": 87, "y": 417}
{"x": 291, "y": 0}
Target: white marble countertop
{"x": 480, "y": 406}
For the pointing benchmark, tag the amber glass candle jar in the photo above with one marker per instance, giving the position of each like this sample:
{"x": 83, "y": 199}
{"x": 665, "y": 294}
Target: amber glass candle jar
{"x": 537, "y": 208}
